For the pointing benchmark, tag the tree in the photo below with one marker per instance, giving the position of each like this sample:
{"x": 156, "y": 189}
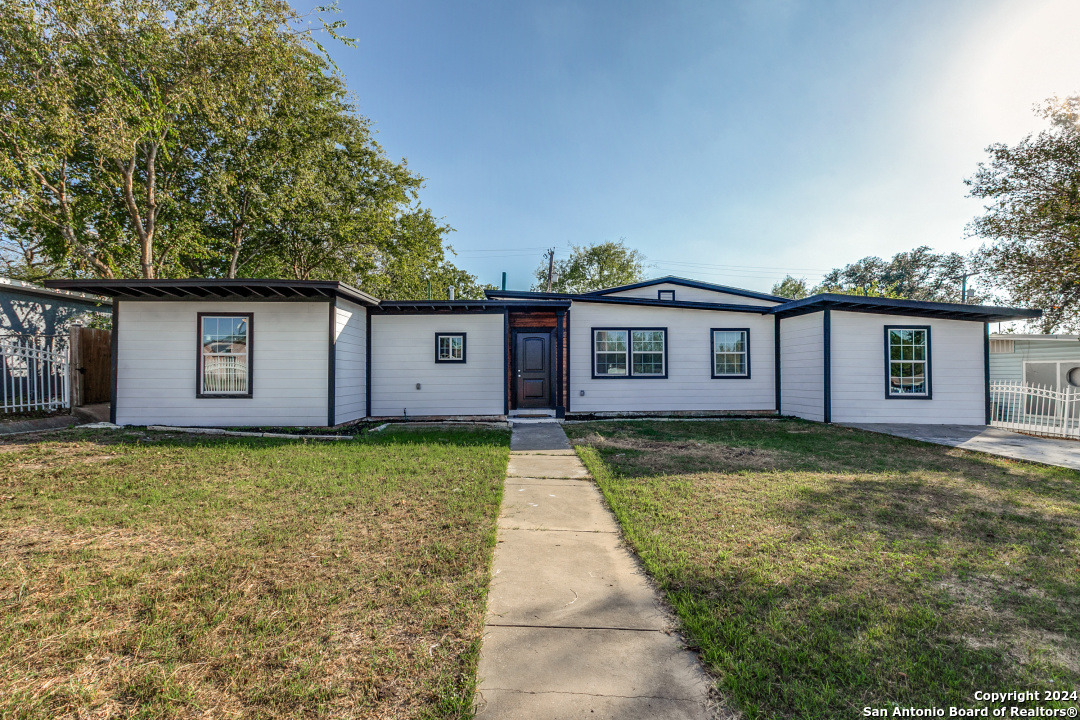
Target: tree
{"x": 918, "y": 274}
{"x": 1032, "y": 222}
{"x": 791, "y": 287}
{"x": 164, "y": 138}
{"x": 593, "y": 267}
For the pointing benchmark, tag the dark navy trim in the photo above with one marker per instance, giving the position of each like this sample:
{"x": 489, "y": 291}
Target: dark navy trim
{"x": 506, "y": 361}
{"x": 629, "y": 353}
{"x": 685, "y": 282}
{"x": 894, "y": 306}
{"x": 331, "y": 366}
{"x": 367, "y": 361}
{"x": 559, "y": 406}
{"x": 776, "y": 364}
{"x": 712, "y": 354}
{"x": 826, "y": 325}
{"x": 115, "y": 360}
{"x": 464, "y": 343}
{"x": 986, "y": 368}
{"x": 929, "y": 364}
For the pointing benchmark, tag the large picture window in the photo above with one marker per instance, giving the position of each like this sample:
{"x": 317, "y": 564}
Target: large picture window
{"x": 629, "y": 352}
{"x": 224, "y": 360}
{"x": 730, "y": 352}
{"x": 907, "y": 361}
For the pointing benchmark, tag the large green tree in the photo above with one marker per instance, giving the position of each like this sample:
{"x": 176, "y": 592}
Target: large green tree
{"x": 1032, "y": 217}
{"x": 593, "y": 267}
{"x": 160, "y": 138}
{"x": 918, "y": 274}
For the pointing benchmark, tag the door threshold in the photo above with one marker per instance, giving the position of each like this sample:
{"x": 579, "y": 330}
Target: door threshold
{"x": 531, "y": 414}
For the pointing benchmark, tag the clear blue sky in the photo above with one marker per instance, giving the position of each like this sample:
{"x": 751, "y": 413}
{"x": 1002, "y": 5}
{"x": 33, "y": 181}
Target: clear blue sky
{"x": 732, "y": 142}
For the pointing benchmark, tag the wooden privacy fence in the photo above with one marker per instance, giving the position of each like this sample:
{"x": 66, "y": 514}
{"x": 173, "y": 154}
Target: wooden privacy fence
{"x": 31, "y": 376}
{"x": 91, "y": 365}
{"x": 1035, "y": 409}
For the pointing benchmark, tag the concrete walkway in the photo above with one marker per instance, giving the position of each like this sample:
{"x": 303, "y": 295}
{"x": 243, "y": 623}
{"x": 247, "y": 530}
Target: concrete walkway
{"x": 1051, "y": 451}
{"x": 574, "y": 629}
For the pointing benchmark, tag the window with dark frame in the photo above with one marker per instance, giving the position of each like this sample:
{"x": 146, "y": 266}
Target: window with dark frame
{"x": 907, "y": 362}
{"x": 450, "y": 347}
{"x": 730, "y": 352}
{"x": 630, "y": 352}
{"x": 667, "y": 295}
{"x": 225, "y": 358}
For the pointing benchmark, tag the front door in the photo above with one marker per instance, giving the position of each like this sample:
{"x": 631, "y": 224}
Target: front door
{"x": 532, "y": 368}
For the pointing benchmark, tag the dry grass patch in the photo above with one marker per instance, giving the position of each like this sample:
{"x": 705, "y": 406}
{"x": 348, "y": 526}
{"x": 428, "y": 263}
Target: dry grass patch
{"x": 851, "y": 569}
{"x": 143, "y": 575}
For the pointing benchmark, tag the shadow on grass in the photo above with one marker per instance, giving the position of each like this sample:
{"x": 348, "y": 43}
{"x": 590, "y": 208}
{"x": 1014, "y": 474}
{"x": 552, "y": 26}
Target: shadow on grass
{"x": 857, "y": 570}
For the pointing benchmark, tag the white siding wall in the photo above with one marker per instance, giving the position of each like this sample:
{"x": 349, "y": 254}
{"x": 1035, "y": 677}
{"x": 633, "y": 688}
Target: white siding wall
{"x": 350, "y": 362}
{"x": 858, "y": 371}
{"x": 689, "y": 385}
{"x": 690, "y": 294}
{"x": 158, "y": 343}
{"x": 403, "y": 354}
{"x": 802, "y": 367}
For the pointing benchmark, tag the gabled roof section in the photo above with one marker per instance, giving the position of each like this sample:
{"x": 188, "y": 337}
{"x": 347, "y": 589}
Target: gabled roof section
{"x": 685, "y": 282}
{"x": 893, "y": 306}
{"x": 18, "y": 286}
{"x": 619, "y": 300}
{"x": 216, "y": 289}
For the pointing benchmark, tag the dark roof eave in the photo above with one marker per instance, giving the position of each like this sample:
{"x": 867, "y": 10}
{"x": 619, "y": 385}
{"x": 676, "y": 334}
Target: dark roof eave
{"x": 896, "y": 306}
{"x": 217, "y": 289}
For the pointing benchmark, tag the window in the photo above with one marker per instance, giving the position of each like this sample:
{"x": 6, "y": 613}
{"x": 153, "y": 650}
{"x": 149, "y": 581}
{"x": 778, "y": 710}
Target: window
{"x": 668, "y": 295}
{"x": 224, "y": 363}
{"x": 730, "y": 352}
{"x": 450, "y": 347}
{"x": 630, "y": 352}
{"x": 907, "y": 362}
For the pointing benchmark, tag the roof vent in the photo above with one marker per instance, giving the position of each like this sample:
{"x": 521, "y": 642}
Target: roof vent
{"x": 451, "y": 291}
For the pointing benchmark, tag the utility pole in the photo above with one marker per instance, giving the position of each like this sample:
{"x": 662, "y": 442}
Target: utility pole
{"x": 551, "y": 267}
{"x": 963, "y": 285}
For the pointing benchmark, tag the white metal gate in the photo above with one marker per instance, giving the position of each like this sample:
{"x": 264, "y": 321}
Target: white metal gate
{"x": 1035, "y": 409}
{"x": 32, "y": 377}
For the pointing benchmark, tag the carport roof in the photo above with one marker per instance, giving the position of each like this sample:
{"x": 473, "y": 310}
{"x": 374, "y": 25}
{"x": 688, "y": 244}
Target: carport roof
{"x": 894, "y": 306}
{"x": 218, "y": 289}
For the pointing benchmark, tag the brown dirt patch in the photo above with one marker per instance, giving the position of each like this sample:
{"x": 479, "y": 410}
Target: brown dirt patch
{"x": 686, "y": 455}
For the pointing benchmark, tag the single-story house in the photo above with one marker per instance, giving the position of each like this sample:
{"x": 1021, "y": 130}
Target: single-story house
{"x": 319, "y": 353}
{"x": 1052, "y": 361}
{"x": 45, "y": 313}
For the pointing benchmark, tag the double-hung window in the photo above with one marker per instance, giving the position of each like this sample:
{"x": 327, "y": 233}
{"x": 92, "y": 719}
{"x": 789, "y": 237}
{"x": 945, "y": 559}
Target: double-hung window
{"x": 450, "y": 347}
{"x": 629, "y": 352}
{"x": 730, "y": 352}
{"x": 907, "y": 361}
{"x": 225, "y": 360}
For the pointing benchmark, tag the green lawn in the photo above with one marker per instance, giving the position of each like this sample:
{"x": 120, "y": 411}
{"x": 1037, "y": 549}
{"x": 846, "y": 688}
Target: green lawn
{"x": 820, "y": 569}
{"x": 150, "y": 575}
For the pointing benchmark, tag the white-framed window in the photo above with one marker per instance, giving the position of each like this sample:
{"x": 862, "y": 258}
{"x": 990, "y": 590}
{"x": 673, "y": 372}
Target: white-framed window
{"x": 907, "y": 361}
{"x": 450, "y": 347}
{"x": 630, "y": 352}
{"x": 225, "y": 359}
{"x": 730, "y": 352}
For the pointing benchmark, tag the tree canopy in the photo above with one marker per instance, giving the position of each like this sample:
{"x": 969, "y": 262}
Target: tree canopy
{"x": 593, "y": 267}
{"x": 1032, "y": 219}
{"x": 164, "y": 138}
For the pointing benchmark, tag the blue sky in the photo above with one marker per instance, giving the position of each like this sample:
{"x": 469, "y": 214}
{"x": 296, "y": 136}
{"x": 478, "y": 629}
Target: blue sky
{"x": 733, "y": 142}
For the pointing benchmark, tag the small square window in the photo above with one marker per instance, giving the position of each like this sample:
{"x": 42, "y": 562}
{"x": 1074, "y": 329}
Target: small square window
{"x": 666, "y": 295}
{"x": 450, "y": 347}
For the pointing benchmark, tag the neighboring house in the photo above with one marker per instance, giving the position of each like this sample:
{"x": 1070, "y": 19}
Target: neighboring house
{"x": 316, "y": 353}
{"x": 47, "y": 313}
{"x": 1048, "y": 360}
